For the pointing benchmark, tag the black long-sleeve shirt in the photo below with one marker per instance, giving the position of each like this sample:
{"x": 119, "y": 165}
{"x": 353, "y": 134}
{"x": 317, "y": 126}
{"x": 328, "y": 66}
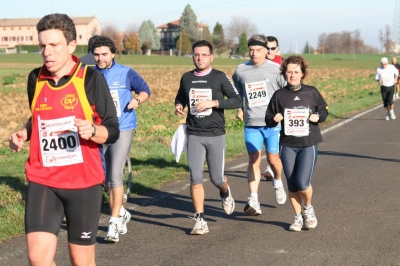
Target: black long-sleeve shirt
{"x": 307, "y": 97}
{"x": 221, "y": 86}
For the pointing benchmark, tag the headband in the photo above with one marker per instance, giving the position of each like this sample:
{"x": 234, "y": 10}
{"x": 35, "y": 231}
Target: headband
{"x": 254, "y": 42}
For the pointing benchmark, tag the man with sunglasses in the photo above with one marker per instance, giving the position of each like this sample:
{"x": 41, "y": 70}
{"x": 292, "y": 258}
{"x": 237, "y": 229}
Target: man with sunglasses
{"x": 273, "y": 50}
{"x": 256, "y": 81}
{"x": 387, "y": 75}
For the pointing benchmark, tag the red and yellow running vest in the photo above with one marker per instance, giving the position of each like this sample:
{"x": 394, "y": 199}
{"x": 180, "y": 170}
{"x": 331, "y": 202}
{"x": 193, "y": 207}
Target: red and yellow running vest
{"x": 52, "y": 161}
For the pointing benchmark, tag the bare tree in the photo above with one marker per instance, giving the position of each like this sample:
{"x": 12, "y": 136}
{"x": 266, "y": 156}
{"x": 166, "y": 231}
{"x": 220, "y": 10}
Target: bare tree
{"x": 322, "y": 43}
{"x": 358, "y": 45}
{"x": 332, "y": 43}
{"x": 109, "y": 31}
{"x": 237, "y": 26}
{"x": 345, "y": 42}
{"x": 385, "y": 37}
{"x": 113, "y": 33}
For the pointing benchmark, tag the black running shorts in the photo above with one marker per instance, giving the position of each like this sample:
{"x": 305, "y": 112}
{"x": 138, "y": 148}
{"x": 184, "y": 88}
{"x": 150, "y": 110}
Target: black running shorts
{"x": 46, "y": 207}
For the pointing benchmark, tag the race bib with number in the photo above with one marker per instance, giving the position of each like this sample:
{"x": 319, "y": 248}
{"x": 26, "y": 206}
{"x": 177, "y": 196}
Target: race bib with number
{"x": 296, "y": 122}
{"x": 197, "y": 95}
{"x": 59, "y": 142}
{"x": 115, "y": 97}
{"x": 257, "y": 94}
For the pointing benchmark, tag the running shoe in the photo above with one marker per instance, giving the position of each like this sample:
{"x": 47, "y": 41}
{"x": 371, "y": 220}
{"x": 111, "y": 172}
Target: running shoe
{"x": 297, "y": 225}
{"x": 311, "y": 220}
{"x": 268, "y": 174}
{"x": 280, "y": 195}
{"x": 125, "y": 218}
{"x": 392, "y": 115}
{"x": 228, "y": 204}
{"x": 112, "y": 233}
{"x": 252, "y": 207}
{"x": 387, "y": 117}
{"x": 200, "y": 227}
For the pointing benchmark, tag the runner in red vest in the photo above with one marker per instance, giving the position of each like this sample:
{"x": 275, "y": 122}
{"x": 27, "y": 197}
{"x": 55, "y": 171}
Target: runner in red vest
{"x": 72, "y": 115}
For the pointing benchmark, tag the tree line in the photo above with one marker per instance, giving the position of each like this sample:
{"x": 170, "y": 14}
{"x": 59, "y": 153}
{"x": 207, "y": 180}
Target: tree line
{"x": 233, "y": 38}
{"x": 143, "y": 39}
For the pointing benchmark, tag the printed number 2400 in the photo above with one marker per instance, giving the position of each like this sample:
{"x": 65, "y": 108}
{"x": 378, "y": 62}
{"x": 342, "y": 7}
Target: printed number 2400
{"x": 62, "y": 143}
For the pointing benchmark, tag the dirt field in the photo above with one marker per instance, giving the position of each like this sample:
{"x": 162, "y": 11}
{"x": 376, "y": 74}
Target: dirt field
{"x": 163, "y": 83}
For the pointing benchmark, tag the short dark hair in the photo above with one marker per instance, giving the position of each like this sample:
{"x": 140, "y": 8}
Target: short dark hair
{"x": 202, "y": 43}
{"x": 295, "y": 59}
{"x": 91, "y": 41}
{"x": 58, "y": 22}
{"x": 273, "y": 39}
{"x": 104, "y": 41}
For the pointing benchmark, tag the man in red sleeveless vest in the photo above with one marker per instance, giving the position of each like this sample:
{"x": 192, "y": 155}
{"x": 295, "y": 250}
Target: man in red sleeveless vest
{"x": 72, "y": 115}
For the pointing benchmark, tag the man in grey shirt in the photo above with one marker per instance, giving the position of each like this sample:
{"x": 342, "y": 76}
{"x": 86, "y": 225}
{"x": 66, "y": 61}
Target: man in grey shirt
{"x": 257, "y": 80}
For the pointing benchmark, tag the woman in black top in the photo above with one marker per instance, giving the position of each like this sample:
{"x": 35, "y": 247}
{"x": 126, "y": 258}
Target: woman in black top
{"x": 299, "y": 108}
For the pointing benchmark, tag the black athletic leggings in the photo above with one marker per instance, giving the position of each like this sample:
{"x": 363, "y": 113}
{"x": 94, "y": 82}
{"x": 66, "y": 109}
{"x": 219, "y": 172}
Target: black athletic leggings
{"x": 298, "y": 165}
{"x": 387, "y": 95}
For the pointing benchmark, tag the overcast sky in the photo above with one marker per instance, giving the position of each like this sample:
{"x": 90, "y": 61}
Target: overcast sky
{"x": 293, "y": 22}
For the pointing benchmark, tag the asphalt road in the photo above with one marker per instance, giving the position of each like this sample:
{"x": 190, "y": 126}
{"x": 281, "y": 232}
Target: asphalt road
{"x": 356, "y": 198}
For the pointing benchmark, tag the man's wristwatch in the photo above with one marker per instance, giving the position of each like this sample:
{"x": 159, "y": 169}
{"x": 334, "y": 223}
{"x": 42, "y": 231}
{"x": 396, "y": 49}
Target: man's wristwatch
{"x": 138, "y": 101}
{"x": 93, "y": 130}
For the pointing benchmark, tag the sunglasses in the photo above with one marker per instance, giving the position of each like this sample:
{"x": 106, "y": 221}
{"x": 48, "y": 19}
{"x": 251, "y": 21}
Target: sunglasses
{"x": 271, "y": 48}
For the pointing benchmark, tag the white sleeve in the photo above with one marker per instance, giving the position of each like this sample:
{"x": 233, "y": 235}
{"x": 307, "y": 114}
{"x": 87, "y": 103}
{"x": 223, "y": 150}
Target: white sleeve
{"x": 377, "y": 76}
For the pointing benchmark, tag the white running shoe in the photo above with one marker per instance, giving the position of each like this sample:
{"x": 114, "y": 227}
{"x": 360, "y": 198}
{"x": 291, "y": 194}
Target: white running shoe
{"x": 125, "y": 219}
{"x": 200, "y": 227}
{"x": 268, "y": 174}
{"x": 280, "y": 195}
{"x": 228, "y": 204}
{"x": 297, "y": 225}
{"x": 392, "y": 115}
{"x": 253, "y": 207}
{"x": 112, "y": 233}
{"x": 311, "y": 220}
{"x": 387, "y": 117}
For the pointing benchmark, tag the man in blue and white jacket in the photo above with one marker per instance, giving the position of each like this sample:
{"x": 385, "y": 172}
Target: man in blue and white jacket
{"x": 122, "y": 81}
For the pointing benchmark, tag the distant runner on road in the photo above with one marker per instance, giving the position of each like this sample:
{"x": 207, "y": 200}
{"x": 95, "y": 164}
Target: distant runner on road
{"x": 397, "y": 66}
{"x": 387, "y": 76}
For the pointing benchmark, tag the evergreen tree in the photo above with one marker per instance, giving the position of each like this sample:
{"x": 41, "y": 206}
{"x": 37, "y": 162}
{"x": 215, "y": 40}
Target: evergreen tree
{"x": 149, "y": 38}
{"x": 218, "y": 38}
{"x": 188, "y": 23}
{"x": 306, "y": 49}
{"x": 242, "y": 48}
{"x": 183, "y": 46}
{"x": 207, "y": 36}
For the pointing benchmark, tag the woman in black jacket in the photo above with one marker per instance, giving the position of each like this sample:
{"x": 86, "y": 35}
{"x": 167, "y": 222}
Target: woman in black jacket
{"x": 299, "y": 108}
